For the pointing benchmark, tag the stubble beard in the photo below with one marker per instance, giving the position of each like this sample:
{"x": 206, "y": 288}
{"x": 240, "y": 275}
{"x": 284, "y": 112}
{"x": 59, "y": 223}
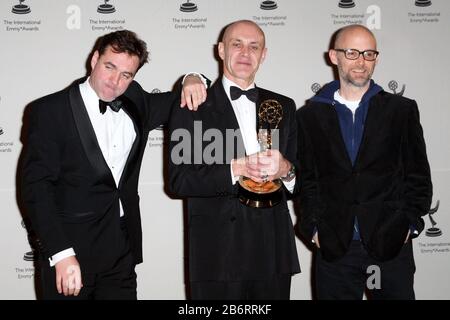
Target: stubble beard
{"x": 360, "y": 83}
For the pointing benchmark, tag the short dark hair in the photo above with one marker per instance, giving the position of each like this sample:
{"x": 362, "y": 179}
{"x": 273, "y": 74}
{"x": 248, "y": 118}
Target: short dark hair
{"x": 124, "y": 41}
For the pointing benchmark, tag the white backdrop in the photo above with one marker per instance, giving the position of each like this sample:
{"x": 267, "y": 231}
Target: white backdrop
{"x": 45, "y": 45}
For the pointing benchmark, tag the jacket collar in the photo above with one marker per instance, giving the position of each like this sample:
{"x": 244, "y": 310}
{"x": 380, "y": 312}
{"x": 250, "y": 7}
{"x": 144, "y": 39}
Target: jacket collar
{"x": 326, "y": 94}
{"x": 89, "y": 140}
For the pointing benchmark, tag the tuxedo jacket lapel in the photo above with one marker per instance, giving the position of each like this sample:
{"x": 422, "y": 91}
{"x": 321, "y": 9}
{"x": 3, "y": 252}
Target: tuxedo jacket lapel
{"x": 88, "y": 137}
{"x": 130, "y": 108}
{"x": 221, "y": 108}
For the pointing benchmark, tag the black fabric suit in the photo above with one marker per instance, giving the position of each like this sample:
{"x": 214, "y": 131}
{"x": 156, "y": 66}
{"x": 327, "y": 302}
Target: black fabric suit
{"x": 388, "y": 189}
{"x": 229, "y": 241}
{"x": 69, "y": 191}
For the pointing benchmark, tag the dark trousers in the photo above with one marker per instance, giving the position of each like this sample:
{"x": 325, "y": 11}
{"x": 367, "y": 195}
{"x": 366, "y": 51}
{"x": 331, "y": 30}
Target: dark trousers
{"x": 348, "y": 277}
{"x": 277, "y": 287}
{"x": 116, "y": 283}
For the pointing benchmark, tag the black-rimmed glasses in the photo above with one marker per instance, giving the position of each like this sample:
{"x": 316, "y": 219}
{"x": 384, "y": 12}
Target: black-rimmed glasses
{"x": 353, "y": 54}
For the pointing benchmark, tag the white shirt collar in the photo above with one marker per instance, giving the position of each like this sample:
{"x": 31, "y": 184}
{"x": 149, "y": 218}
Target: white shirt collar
{"x": 90, "y": 97}
{"x": 352, "y": 105}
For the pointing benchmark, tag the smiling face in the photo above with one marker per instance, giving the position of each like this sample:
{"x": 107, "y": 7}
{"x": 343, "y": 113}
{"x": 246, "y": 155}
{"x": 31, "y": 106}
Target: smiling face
{"x": 354, "y": 73}
{"x": 112, "y": 73}
{"x": 242, "y": 50}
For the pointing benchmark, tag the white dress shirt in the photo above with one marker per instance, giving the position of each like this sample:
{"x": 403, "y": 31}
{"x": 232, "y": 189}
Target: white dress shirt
{"x": 245, "y": 112}
{"x": 115, "y": 135}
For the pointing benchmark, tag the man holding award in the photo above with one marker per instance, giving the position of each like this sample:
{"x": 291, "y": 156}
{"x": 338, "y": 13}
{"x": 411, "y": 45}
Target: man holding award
{"x": 233, "y": 161}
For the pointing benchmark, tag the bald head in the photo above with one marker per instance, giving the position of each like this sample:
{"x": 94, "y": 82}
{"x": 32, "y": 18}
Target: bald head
{"x": 351, "y": 32}
{"x": 233, "y": 26}
{"x": 242, "y": 51}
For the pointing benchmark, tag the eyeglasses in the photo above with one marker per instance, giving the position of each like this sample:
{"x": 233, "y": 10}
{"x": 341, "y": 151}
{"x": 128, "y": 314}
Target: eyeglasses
{"x": 353, "y": 54}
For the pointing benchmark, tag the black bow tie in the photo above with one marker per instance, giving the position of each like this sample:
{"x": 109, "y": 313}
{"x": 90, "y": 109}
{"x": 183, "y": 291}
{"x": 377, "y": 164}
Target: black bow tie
{"x": 115, "y": 105}
{"x": 235, "y": 93}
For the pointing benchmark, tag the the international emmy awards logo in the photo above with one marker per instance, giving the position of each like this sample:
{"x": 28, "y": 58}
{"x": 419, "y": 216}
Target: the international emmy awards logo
{"x": 188, "y": 7}
{"x": 393, "y": 85}
{"x": 106, "y": 8}
{"x": 30, "y": 255}
{"x": 433, "y": 231}
{"x": 268, "y": 5}
{"x": 21, "y": 8}
{"x": 346, "y": 4}
{"x": 315, "y": 87}
{"x": 422, "y": 3}
{"x": 1, "y": 131}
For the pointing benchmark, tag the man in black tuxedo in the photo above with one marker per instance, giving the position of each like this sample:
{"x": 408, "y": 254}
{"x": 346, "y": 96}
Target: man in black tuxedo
{"x": 365, "y": 178}
{"x": 235, "y": 251}
{"x": 81, "y": 169}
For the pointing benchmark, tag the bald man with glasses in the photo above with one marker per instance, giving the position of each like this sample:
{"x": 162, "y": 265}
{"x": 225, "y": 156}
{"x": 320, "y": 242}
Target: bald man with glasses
{"x": 365, "y": 178}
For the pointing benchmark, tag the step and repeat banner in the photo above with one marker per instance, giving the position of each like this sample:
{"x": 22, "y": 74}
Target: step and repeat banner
{"x": 45, "y": 46}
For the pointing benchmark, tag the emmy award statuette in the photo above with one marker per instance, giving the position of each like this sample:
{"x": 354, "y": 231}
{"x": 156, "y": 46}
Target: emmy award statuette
{"x": 21, "y": 8}
{"x": 433, "y": 231}
{"x": 393, "y": 85}
{"x": 263, "y": 194}
{"x": 106, "y": 8}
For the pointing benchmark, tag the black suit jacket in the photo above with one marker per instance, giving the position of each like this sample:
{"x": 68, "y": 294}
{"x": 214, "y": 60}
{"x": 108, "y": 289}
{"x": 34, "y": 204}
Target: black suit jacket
{"x": 69, "y": 191}
{"x": 388, "y": 188}
{"x": 228, "y": 240}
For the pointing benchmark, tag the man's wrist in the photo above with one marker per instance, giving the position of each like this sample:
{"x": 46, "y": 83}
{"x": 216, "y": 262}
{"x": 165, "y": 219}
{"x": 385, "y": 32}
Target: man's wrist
{"x": 235, "y": 168}
{"x": 197, "y": 75}
{"x": 60, "y": 256}
{"x": 290, "y": 174}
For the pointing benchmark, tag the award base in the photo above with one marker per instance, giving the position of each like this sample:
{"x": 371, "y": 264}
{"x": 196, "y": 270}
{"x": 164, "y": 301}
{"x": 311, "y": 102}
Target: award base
{"x": 29, "y": 256}
{"x": 346, "y": 4}
{"x": 21, "y": 9}
{"x": 259, "y": 195}
{"x": 106, "y": 8}
{"x": 423, "y": 3}
{"x": 188, "y": 7}
{"x": 268, "y": 5}
{"x": 433, "y": 232}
